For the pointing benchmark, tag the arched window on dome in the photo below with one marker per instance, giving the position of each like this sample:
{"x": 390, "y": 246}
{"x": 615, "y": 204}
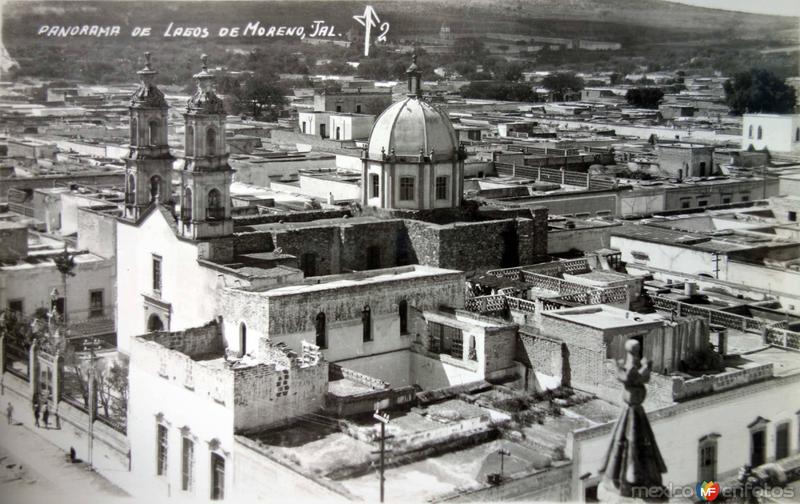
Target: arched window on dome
{"x": 338, "y": 133}
{"x": 760, "y": 133}
{"x": 797, "y": 135}
{"x": 750, "y": 132}
{"x": 211, "y": 142}
{"x": 375, "y": 185}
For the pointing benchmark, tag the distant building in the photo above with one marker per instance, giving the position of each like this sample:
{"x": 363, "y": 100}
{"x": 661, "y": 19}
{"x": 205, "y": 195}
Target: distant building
{"x": 685, "y": 160}
{"x": 775, "y": 132}
{"x": 353, "y": 101}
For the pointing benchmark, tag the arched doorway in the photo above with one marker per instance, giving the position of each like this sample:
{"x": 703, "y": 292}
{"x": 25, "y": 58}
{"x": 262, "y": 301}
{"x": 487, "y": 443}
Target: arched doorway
{"x": 154, "y": 323}
{"x": 155, "y": 187}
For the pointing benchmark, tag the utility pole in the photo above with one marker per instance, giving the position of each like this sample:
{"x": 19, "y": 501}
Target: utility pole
{"x": 503, "y": 453}
{"x": 91, "y": 345}
{"x": 383, "y": 419}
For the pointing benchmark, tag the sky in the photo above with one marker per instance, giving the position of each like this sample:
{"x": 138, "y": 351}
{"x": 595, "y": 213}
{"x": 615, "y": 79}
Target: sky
{"x": 779, "y": 7}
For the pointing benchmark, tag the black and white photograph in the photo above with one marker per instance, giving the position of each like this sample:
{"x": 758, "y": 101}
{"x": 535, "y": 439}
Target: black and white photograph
{"x": 400, "y": 251}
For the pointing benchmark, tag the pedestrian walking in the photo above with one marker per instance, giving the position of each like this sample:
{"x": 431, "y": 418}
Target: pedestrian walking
{"x": 46, "y": 416}
{"x": 9, "y": 412}
{"x": 36, "y": 412}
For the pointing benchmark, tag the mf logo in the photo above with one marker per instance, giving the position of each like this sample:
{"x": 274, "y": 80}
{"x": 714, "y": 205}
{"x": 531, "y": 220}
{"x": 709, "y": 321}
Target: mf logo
{"x": 707, "y": 490}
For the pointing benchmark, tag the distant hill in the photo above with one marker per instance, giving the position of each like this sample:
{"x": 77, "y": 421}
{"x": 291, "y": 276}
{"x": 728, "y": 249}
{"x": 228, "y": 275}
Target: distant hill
{"x": 642, "y": 26}
{"x": 22, "y": 18}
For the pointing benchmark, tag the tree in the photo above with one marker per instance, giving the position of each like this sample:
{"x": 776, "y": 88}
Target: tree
{"x": 648, "y": 97}
{"x": 65, "y": 263}
{"x": 563, "y": 83}
{"x": 468, "y": 48}
{"x": 759, "y": 90}
{"x": 262, "y": 98}
{"x": 493, "y": 90}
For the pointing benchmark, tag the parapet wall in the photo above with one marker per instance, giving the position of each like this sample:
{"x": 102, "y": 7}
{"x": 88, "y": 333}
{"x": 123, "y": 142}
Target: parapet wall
{"x": 193, "y": 342}
{"x": 265, "y": 395}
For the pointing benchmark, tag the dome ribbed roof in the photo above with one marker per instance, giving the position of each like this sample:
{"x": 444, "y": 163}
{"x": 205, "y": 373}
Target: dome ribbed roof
{"x": 147, "y": 95}
{"x": 410, "y": 125}
{"x": 205, "y": 100}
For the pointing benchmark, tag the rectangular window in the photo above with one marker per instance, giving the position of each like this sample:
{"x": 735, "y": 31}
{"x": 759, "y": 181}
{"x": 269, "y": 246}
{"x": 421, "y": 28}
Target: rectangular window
{"x": 156, "y": 273}
{"x": 96, "y": 303}
{"x": 702, "y": 203}
{"x": 758, "y": 447}
{"x": 161, "y": 455}
{"x": 446, "y": 340}
{"x": 366, "y": 324}
{"x": 187, "y": 465}
{"x": 792, "y": 216}
{"x": 375, "y": 184}
{"x": 16, "y": 306}
{"x": 441, "y": 188}
{"x": 406, "y": 188}
{"x": 745, "y": 197}
{"x": 686, "y": 203}
{"x": 782, "y": 441}
{"x": 707, "y": 459}
{"x": 217, "y": 477}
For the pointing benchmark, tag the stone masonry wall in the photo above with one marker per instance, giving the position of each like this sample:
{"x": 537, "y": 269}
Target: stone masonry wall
{"x": 264, "y": 395}
{"x": 543, "y": 355}
{"x": 197, "y": 341}
{"x": 498, "y": 348}
{"x": 246, "y": 242}
{"x": 295, "y": 313}
{"x": 323, "y": 242}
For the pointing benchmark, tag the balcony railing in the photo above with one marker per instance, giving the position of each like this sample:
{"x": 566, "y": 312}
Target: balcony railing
{"x": 217, "y": 213}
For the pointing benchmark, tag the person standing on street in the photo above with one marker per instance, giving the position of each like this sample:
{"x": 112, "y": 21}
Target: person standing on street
{"x": 36, "y": 413}
{"x": 9, "y": 412}
{"x": 46, "y": 416}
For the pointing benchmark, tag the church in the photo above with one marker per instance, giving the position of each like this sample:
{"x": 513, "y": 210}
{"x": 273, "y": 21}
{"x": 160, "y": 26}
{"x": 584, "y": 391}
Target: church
{"x": 176, "y": 252}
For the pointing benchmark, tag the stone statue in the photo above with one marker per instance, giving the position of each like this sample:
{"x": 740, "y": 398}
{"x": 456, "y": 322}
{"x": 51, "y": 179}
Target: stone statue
{"x": 633, "y": 464}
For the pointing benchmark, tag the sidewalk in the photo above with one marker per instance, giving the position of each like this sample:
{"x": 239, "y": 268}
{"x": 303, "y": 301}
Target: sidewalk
{"x": 48, "y": 475}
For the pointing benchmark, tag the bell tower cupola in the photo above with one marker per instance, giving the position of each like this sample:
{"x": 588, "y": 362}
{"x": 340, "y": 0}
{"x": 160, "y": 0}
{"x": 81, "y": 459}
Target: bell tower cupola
{"x": 148, "y": 166}
{"x": 206, "y": 176}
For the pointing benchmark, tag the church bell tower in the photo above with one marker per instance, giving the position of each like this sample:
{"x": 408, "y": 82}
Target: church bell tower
{"x": 148, "y": 166}
{"x": 206, "y": 176}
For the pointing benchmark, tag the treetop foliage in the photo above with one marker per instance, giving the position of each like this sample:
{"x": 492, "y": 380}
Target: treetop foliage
{"x": 759, "y": 90}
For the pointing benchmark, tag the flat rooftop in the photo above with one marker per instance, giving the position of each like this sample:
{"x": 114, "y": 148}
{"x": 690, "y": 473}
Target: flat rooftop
{"x": 332, "y": 282}
{"x": 604, "y": 317}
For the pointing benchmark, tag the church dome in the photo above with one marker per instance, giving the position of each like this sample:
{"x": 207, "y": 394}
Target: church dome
{"x": 409, "y": 126}
{"x": 205, "y": 100}
{"x": 147, "y": 95}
